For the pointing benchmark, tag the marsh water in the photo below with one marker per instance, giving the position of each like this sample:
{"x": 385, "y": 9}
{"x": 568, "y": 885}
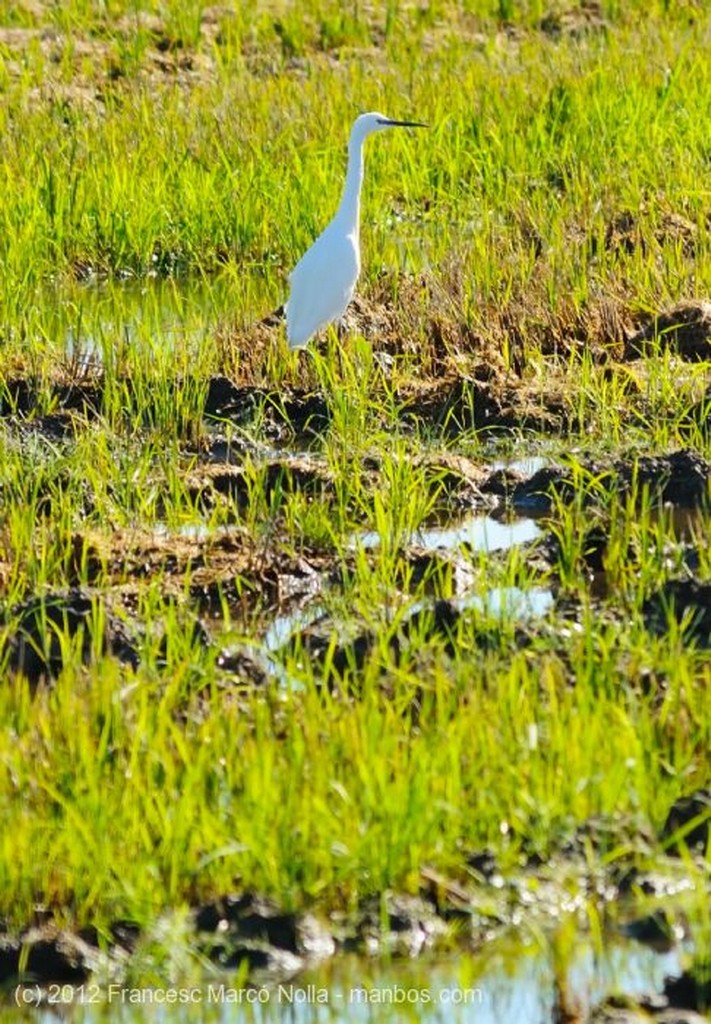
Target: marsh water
{"x": 508, "y": 983}
{"x": 93, "y": 318}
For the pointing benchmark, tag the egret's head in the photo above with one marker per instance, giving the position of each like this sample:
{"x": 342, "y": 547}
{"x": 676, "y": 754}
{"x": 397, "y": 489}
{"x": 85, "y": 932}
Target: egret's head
{"x": 366, "y": 124}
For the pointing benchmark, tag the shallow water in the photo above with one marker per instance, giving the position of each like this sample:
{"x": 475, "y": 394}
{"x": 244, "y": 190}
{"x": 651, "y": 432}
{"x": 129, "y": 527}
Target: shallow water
{"x": 511, "y": 602}
{"x": 477, "y": 532}
{"x": 174, "y": 313}
{"x": 526, "y": 466}
{"x": 509, "y": 984}
{"x": 480, "y": 533}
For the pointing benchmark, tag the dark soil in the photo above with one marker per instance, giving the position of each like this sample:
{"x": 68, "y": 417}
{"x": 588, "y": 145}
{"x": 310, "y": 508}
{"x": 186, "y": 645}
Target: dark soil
{"x": 576, "y": 21}
{"x": 35, "y": 647}
{"x": 682, "y": 479}
{"x": 450, "y": 405}
{"x": 685, "y": 329}
{"x": 688, "y": 823}
{"x": 688, "y": 602}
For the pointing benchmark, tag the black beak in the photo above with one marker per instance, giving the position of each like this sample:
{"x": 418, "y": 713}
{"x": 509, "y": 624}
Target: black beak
{"x": 403, "y": 124}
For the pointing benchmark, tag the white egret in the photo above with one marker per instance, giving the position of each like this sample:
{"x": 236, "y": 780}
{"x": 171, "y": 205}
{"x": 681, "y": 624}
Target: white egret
{"x": 323, "y": 281}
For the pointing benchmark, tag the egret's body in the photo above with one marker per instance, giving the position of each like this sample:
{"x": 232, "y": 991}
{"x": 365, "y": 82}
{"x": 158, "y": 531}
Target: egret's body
{"x": 323, "y": 281}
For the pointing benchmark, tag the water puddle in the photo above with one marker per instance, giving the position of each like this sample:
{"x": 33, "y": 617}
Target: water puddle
{"x": 505, "y": 985}
{"x": 169, "y": 313}
{"x": 478, "y": 533}
{"x": 499, "y": 602}
{"x": 509, "y": 602}
{"x": 189, "y": 531}
{"x": 527, "y": 466}
{"x": 284, "y": 627}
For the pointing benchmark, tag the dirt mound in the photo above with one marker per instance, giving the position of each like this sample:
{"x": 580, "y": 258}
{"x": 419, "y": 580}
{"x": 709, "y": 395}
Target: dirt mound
{"x": 274, "y": 476}
{"x": 693, "y": 811}
{"x": 682, "y": 479}
{"x": 462, "y": 403}
{"x": 42, "y": 956}
{"x": 37, "y": 646}
{"x": 574, "y": 21}
{"x": 685, "y": 329}
{"x": 688, "y": 602}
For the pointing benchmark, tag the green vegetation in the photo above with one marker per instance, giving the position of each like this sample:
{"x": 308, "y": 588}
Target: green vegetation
{"x": 162, "y": 166}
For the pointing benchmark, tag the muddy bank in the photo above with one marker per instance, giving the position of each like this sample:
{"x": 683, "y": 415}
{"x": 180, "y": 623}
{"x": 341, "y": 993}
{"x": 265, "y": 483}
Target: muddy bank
{"x": 684, "y": 329}
{"x": 37, "y": 648}
{"x": 475, "y": 905}
{"x": 682, "y": 478}
{"x": 206, "y": 572}
{"x": 451, "y": 405}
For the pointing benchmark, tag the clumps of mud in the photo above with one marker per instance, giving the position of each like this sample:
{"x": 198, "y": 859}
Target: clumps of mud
{"x": 43, "y": 952}
{"x": 321, "y": 643}
{"x": 684, "y": 329}
{"x": 51, "y": 624}
{"x": 688, "y": 603}
{"x": 450, "y": 404}
{"x": 46, "y": 954}
{"x": 688, "y": 824}
{"x": 21, "y": 396}
{"x": 462, "y": 381}
{"x": 625, "y": 233}
{"x": 472, "y": 904}
{"x": 683, "y": 1000}
{"x": 580, "y": 20}
{"x": 275, "y": 477}
{"x": 295, "y": 409}
{"x": 461, "y": 404}
{"x": 682, "y": 478}
{"x": 247, "y": 928}
{"x": 206, "y": 572}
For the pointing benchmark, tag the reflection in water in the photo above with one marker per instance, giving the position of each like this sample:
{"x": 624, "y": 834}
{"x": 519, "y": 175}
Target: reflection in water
{"x": 509, "y": 602}
{"x": 499, "y": 602}
{"x": 479, "y": 533}
{"x": 283, "y": 627}
{"x": 172, "y": 313}
{"x": 509, "y": 985}
{"x": 526, "y": 466}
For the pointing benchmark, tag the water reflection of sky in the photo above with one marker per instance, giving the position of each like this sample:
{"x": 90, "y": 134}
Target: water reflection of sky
{"x": 478, "y": 532}
{"x": 514, "y": 985}
{"x": 168, "y": 312}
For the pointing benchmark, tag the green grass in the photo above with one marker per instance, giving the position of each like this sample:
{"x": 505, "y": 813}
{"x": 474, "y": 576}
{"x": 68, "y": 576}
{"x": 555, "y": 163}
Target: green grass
{"x": 186, "y": 190}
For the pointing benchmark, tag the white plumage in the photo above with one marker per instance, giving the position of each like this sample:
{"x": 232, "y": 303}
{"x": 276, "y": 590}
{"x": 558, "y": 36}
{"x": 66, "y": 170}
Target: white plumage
{"x": 323, "y": 281}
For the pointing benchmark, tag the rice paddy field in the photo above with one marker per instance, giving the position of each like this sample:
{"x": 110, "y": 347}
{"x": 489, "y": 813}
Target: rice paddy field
{"x": 311, "y": 662}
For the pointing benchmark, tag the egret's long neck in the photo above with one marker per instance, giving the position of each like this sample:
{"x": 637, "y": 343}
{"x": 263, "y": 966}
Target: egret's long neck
{"x": 349, "y": 208}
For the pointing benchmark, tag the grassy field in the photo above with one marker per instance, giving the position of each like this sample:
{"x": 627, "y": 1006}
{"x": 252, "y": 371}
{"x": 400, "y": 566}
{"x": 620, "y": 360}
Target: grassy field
{"x": 167, "y": 152}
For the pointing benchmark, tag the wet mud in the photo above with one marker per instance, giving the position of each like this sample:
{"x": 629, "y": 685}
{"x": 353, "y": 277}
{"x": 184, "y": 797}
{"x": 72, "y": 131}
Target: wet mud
{"x": 451, "y": 404}
{"x": 227, "y": 568}
{"x": 203, "y": 573}
{"x": 681, "y": 479}
{"x": 37, "y": 648}
{"x": 474, "y": 906}
{"x": 685, "y": 330}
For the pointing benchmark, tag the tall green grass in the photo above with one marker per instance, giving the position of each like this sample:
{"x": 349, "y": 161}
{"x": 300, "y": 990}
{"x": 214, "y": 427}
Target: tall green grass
{"x": 560, "y": 173}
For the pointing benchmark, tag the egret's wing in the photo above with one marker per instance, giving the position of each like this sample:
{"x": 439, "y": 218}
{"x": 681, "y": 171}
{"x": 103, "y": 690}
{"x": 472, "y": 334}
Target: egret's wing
{"x": 322, "y": 284}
